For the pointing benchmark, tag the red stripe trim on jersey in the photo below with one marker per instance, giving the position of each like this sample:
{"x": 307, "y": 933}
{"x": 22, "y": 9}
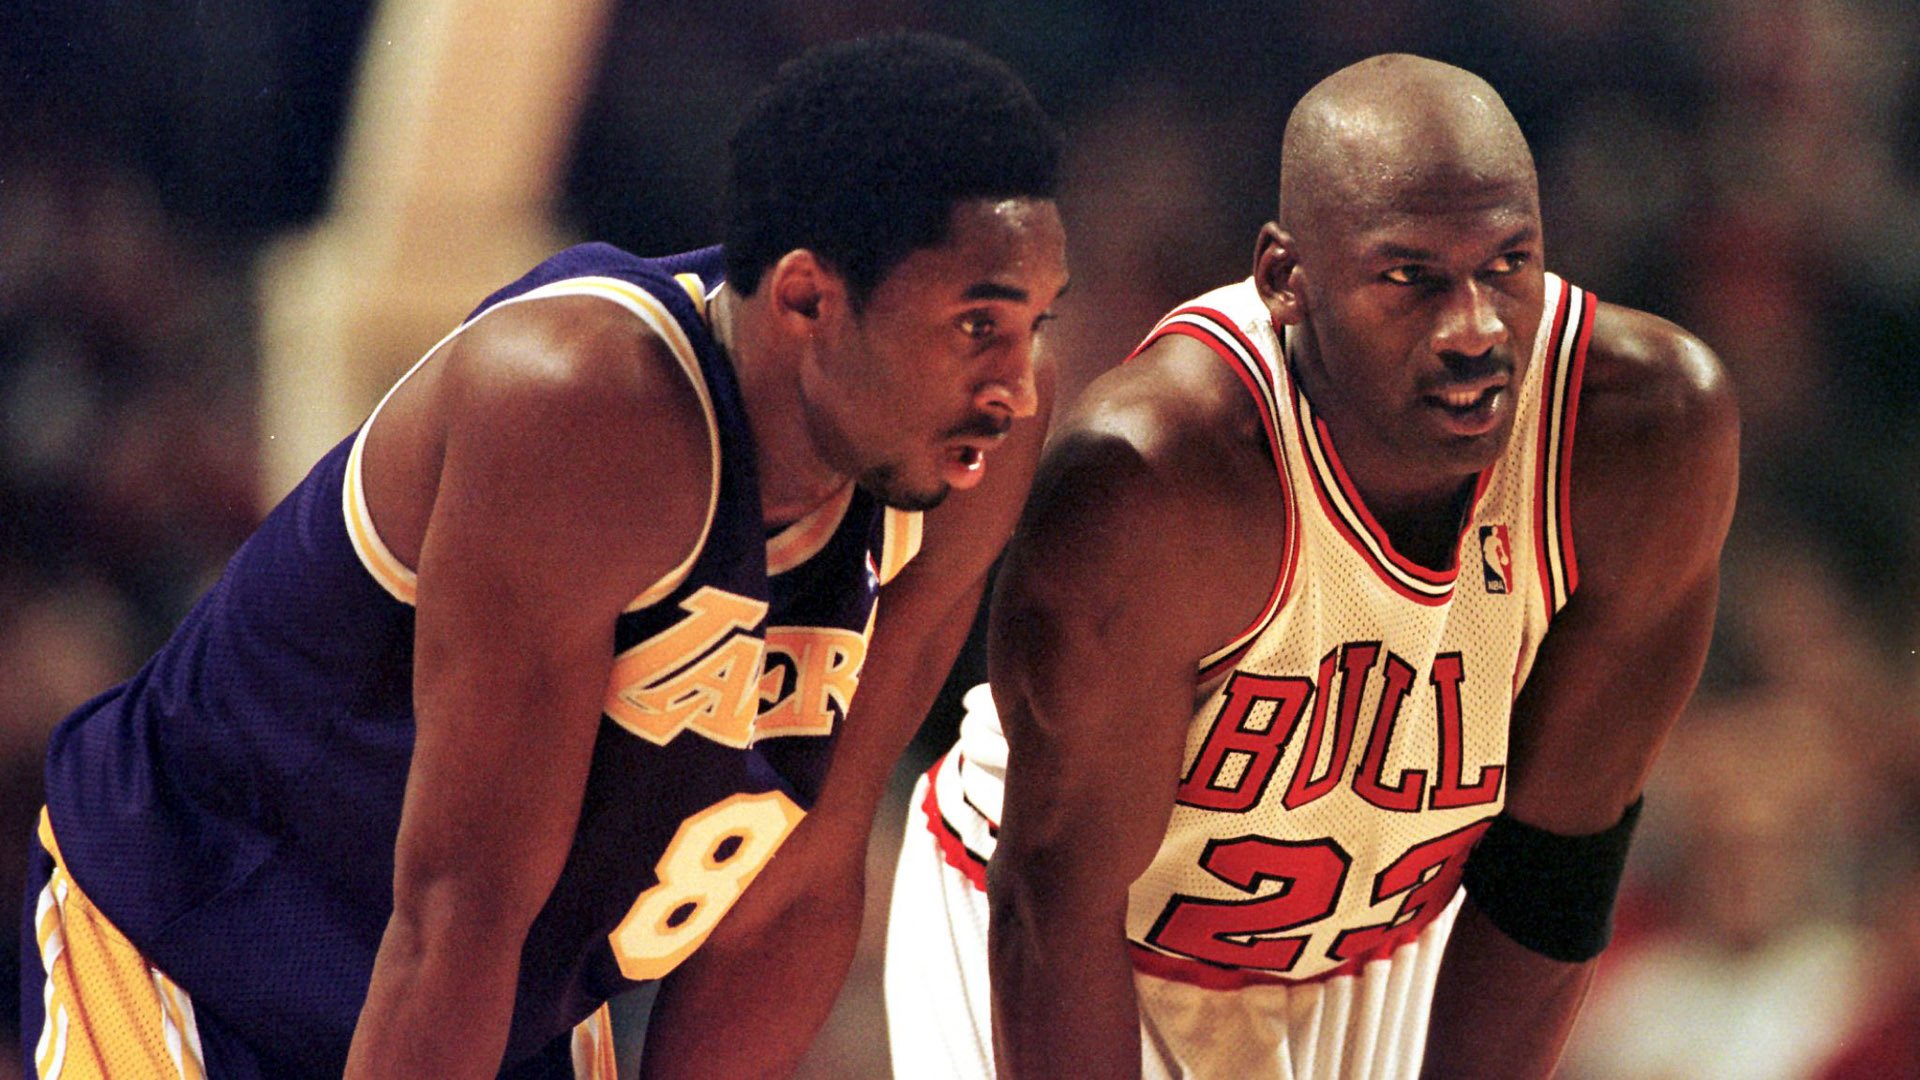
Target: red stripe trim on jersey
{"x": 1220, "y": 334}
{"x": 1214, "y": 977}
{"x": 1342, "y": 505}
{"x": 1571, "y": 410}
{"x": 952, "y": 848}
{"x": 1210, "y": 338}
{"x": 1210, "y": 669}
{"x": 1444, "y": 578}
{"x": 1545, "y": 484}
{"x": 1550, "y": 356}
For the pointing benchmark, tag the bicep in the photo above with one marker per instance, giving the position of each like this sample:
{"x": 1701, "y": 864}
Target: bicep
{"x": 1605, "y": 691}
{"x": 536, "y": 539}
{"x": 1101, "y": 612}
{"x": 1095, "y": 721}
{"x": 1655, "y": 471}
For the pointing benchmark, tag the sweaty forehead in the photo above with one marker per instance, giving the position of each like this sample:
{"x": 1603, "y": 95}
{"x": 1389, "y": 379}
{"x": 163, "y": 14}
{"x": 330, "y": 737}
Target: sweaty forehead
{"x": 1401, "y": 134}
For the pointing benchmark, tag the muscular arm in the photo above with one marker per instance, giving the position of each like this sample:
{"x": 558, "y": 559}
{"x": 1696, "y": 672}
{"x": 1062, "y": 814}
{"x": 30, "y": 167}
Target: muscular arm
{"x": 1655, "y": 466}
{"x": 508, "y": 468}
{"x": 1128, "y": 566}
{"x": 791, "y": 938}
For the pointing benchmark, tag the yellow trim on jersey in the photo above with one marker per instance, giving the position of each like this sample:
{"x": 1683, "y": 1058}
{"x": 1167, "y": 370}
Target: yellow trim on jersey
{"x": 109, "y": 1013}
{"x": 399, "y": 580}
{"x": 902, "y": 536}
{"x": 803, "y": 539}
{"x": 393, "y": 575}
{"x": 182, "y": 1035}
{"x": 695, "y": 292}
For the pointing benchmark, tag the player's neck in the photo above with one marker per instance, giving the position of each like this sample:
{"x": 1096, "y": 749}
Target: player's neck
{"x": 1421, "y": 515}
{"x": 794, "y": 479}
{"x": 1429, "y": 532}
{"x": 1420, "y": 505}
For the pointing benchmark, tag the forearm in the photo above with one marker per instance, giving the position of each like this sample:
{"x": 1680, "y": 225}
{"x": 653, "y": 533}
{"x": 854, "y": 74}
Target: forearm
{"x": 1063, "y": 996}
{"x": 438, "y": 1005}
{"x": 788, "y": 944}
{"x": 799, "y": 987}
{"x": 1501, "y": 1011}
{"x": 791, "y": 938}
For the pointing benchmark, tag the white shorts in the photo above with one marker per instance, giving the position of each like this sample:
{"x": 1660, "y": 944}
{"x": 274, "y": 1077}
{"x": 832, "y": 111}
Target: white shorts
{"x": 1369, "y": 1025}
{"x": 938, "y": 1018}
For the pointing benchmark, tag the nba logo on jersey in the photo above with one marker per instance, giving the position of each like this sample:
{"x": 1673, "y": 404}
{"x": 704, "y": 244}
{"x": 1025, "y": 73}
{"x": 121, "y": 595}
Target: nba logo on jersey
{"x": 1496, "y": 558}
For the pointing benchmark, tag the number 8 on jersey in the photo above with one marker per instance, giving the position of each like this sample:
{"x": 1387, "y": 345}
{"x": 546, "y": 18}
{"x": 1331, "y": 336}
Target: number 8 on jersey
{"x": 714, "y": 856}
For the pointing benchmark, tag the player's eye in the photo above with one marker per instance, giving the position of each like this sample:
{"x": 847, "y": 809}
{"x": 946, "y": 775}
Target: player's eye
{"x": 1405, "y": 275}
{"x": 976, "y": 324}
{"x": 1509, "y": 263}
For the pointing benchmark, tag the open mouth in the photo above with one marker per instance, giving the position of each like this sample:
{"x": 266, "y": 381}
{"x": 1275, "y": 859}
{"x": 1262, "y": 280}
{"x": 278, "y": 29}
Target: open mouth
{"x": 966, "y": 457}
{"x": 963, "y": 466}
{"x": 1473, "y": 410}
{"x": 1466, "y": 401}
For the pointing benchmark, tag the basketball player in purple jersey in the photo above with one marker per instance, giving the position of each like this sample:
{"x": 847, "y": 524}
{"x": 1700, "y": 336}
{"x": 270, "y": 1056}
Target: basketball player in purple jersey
{"x": 500, "y": 712}
{"x": 1320, "y": 607}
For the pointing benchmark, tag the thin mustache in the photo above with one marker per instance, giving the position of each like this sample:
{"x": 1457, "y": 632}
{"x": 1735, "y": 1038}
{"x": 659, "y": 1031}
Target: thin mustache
{"x": 982, "y": 425}
{"x": 1462, "y": 370}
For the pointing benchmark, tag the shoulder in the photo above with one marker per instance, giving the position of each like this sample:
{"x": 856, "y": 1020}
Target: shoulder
{"x": 1648, "y": 374}
{"x": 1654, "y": 472}
{"x": 1171, "y": 434}
{"x": 1656, "y": 445}
{"x": 567, "y": 371}
{"x": 570, "y": 408}
{"x": 1174, "y": 420}
{"x": 578, "y": 347}
{"x": 1160, "y": 476}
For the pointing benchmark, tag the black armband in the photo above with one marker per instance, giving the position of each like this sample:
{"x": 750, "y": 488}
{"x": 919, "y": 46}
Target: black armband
{"x": 1551, "y": 893}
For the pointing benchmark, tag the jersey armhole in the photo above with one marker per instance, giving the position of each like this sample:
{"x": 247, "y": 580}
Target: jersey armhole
{"x": 1566, "y": 357}
{"x": 1218, "y": 333}
{"x": 399, "y": 580}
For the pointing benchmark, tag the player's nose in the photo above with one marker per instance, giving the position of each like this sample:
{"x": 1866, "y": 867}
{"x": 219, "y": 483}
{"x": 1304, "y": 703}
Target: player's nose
{"x": 1010, "y": 384}
{"x": 1469, "y": 323}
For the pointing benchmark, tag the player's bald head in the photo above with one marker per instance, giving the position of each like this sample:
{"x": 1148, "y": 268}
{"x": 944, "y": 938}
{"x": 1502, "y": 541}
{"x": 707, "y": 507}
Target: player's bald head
{"x": 1397, "y": 132}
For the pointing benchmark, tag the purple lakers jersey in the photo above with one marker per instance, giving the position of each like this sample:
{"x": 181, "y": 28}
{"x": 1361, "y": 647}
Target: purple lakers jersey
{"x": 233, "y": 807}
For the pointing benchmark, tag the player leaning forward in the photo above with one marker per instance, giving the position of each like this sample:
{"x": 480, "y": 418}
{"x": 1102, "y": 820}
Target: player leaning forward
{"x": 499, "y": 712}
{"x": 1387, "y": 567}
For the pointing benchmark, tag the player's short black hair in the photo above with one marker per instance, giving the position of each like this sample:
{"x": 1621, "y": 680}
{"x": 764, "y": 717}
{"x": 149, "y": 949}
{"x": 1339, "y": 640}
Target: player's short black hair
{"x": 858, "y": 151}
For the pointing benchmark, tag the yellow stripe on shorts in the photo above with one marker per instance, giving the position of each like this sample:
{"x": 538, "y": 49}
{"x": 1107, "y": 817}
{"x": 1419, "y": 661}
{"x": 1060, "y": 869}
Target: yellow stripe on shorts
{"x": 109, "y": 1013}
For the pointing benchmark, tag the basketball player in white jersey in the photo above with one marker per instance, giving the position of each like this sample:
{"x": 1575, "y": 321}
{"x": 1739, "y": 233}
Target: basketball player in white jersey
{"x": 1384, "y": 570}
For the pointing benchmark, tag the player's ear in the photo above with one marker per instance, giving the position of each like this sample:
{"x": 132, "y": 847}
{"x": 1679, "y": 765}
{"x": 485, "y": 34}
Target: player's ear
{"x": 804, "y": 289}
{"x": 1276, "y": 272}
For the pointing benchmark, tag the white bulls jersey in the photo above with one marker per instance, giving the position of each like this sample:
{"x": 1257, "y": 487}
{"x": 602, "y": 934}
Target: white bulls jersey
{"x": 1345, "y": 752}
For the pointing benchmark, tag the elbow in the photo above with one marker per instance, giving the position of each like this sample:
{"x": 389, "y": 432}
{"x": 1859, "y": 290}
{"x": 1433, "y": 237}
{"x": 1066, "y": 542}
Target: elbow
{"x": 1005, "y": 898}
{"x": 1021, "y": 881}
{"x": 460, "y": 914}
{"x": 1036, "y": 900}
{"x": 1016, "y": 901}
{"x": 1017, "y": 930}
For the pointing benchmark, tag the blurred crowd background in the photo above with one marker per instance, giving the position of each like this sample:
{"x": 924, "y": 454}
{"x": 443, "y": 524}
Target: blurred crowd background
{"x": 1747, "y": 168}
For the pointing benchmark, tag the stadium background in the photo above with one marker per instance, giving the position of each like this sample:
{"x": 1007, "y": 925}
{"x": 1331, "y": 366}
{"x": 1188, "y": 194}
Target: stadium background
{"x": 214, "y": 249}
